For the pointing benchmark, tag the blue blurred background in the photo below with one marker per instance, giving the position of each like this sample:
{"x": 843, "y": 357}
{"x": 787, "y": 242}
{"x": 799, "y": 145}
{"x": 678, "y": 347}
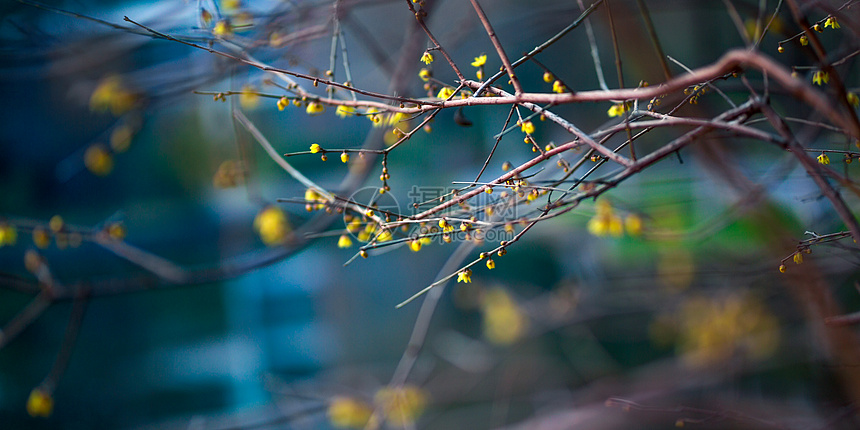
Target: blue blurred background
{"x": 275, "y": 342}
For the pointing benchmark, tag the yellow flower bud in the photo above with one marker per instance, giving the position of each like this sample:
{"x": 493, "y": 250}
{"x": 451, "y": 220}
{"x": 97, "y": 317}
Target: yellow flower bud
{"x": 40, "y": 403}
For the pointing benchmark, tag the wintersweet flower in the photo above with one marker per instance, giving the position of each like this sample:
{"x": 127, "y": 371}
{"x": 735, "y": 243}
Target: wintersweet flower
{"x": 112, "y": 95}
{"x": 527, "y": 127}
{"x": 315, "y": 108}
{"x": 633, "y": 225}
{"x": 272, "y": 225}
{"x": 384, "y": 236}
{"x": 820, "y": 77}
{"x": 344, "y": 241}
{"x": 223, "y": 29}
{"x": 465, "y": 276}
{"x": 248, "y": 98}
{"x": 40, "y": 403}
{"x": 401, "y": 406}
{"x": 344, "y": 111}
{"x": 98, "y": 160}
{"x": 480, "y": 61}
{"x": 374, "y": 116}
{"x": 283, "y": 102}
{"x": 8, "y": 234}
{"x": 116, "y": 231}
{"x": 346, "y": 412}
{"x": 445, "y": 93}
{"x": 823, "y": 159}
{"x": 425, "y": 75}
{"x": 618, "y": 109}
{"x": 427, "y": 58}
{"x": 504, "y": 322}
{"x": 831, "y": 22}
{"x": 395, "y": 118}
{"x": 315, "y": 147}
{"x": 558, "y": 87}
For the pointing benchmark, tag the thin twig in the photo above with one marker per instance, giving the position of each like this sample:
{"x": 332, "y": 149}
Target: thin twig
{"x": 518, "y": 89}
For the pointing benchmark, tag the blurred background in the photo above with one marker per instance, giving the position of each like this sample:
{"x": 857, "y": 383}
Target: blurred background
{"x": 168, "y": 310}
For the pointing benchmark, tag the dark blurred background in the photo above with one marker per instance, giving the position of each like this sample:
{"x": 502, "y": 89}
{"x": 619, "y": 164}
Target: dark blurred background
{"x": 690, "y": 322}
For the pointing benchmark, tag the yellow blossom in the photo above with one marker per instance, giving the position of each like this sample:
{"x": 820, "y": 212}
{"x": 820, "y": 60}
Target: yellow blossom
{"x": 425, "y": 75}
{"x": 344, "y": 157}
{"x": 605, "y": 221}
{"x": 315, "y": 148}
{"x": 820, "y": 77}
{"x": 415, "y": 245}
{"x": 344, "y": 241}
{"x": 344, "y": 111}
{"x": 853, "y": 100}
{"x": 427, "y": 58}
{"x": 283, "y": 102}
{"x": 618, "y": 109}
{"x": 56, "y": 223}
{"x": 548, "y": 77}
{"x": 504, "y": 322}
{"x": 633, "y": 224}
{"x": 40, "y": 403}
{"x": 354, "y": 225}
{"x": 527, "y": 127}
{"x": 315, "y": 108}
{"x": 395, "y": 118}
{"x": 112, "y": 95}
{"x": 384, "y": 236}
{"x": 248, "y": 98}
{"x": 272, "y": 225}
{"x": 223, "y": 29}
{"x": 491, "y": 264}
{"x": 231, "y": 5}
{"x": 8, "y": 234}
{"x": 346, "y": 412}
{"x": 804, "y": 40}
{"x": 275, "y": 39}
{"x": 364, "y": 236}
{"x": 374, "y": 116}
{"x": 782, "y": 268}
{"x": 98, "y": 160}
{"x": 798, "y": 258}
{"x": 401, "y": 406}
{"x": 823, "y": 158}
{"x": 831, "y": 22}
{"x": 558, "y": 87}
{"x": 116, "y": 231}
{"x": 464, "y": 276}
{"x": 480, "y": 61}
{"x": 445, "y": 93}
{"x": 715, "y": 329}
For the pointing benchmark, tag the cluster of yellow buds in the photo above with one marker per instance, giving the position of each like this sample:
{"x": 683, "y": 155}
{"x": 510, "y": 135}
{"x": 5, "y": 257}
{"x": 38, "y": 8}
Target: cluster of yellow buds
{"x": 607, "y": 222}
